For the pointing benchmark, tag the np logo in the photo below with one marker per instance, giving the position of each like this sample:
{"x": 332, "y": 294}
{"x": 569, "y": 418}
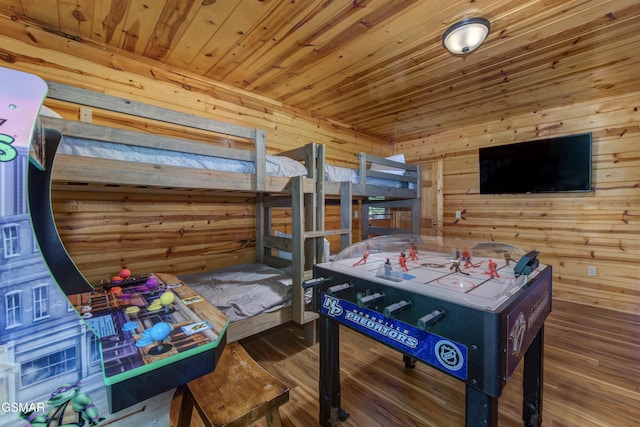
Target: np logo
{"x": 449, "y": 355}
{"x": 332, "y": 305}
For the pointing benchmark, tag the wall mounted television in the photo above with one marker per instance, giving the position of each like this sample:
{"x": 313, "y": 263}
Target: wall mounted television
{"x": 556, "y": 164}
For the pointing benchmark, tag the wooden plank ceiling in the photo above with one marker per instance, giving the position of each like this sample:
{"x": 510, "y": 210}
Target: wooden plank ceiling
{"x": 377, "y": 66}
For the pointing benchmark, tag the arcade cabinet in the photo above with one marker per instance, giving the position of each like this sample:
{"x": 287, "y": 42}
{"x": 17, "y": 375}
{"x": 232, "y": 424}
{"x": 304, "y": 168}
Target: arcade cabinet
{"x": 68, "y": 350}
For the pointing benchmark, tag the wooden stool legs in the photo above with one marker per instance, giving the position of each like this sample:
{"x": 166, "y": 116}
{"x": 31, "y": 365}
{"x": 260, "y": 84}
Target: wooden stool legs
{"x": 273, "y": 419}
{"x": 238, "y": 393}
{"x": 186, "y": 408}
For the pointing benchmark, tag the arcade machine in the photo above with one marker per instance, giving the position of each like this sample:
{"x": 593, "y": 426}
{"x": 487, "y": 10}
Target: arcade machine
{"x": 69, "y": 352}
{"x": 471, "y": 310}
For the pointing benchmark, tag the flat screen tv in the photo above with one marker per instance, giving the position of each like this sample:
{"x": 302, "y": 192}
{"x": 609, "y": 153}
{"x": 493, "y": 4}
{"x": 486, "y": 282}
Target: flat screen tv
{"x": 549, "y": 165}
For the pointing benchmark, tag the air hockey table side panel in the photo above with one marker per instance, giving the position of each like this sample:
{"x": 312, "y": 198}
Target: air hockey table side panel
{"x": 524, "y": 316}
{"x": 470, "y": 333}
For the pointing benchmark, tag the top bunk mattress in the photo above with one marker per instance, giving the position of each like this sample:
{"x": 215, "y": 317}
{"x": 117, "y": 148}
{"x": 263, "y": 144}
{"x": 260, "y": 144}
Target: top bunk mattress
{"x": 275, "y": 165}
{"x": 344, "y": 174}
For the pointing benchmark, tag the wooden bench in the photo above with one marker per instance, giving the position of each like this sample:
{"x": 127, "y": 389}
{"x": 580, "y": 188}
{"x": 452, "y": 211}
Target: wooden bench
{"x": 237, "y": 393}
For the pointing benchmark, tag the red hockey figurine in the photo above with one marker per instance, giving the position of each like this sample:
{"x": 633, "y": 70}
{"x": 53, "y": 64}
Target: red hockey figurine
{"x": 493, "y": 269}
{"x": 363, "y": 260}
{"x": 403, "y": 261}
{"x": 413, "y": 253}
{"x": 466, "y": 256}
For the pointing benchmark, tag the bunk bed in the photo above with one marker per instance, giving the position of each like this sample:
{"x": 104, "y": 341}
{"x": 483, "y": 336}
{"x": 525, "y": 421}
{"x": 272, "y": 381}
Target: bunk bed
{"x": 299, "y": 180}
{"x": 389, "y": 183}
{"x": 110, "y": 159}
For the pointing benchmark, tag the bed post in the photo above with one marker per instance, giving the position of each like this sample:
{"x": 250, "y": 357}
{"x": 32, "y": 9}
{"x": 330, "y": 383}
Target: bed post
{"x": 362, "y": 173}
{"x": 345, "y": 214}
{"x": 297, "y": 247}
{"x": 260, "y": 228}
{"x": 313, "y": 216}
{"x": 260, "y": 162}
{"x": 362, "y": 185}
{"x": 364, "y": 221}
{"x": 416, "y": 210}
{"x": 320, "y": 158}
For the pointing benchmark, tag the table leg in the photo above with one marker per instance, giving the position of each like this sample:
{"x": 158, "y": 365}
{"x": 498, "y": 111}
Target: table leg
{"x": 532, "y": 382}
{"x": 330, "y": 373}
{"x": 482, "y": 409}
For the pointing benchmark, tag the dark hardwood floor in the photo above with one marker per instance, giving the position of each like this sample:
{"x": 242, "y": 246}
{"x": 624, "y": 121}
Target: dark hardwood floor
{"x": 591, "y": 377}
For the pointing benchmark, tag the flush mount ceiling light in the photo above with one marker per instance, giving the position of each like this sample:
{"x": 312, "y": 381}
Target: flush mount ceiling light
{"x": 466, "y": 35}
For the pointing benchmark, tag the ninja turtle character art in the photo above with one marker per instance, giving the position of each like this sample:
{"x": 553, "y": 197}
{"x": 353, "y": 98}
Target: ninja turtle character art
{"x": 70, "y": 408}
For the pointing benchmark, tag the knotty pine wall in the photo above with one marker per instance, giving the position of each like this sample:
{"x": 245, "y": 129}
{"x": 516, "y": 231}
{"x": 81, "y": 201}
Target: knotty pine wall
{"x": 157, "y": 230}
{"x": 572, "y": 231}
{"x": 170, "y": 232}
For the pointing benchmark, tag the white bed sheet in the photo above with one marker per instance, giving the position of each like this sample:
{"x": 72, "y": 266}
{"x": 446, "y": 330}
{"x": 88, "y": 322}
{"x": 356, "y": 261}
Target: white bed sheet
{"x": 243, "y": 291}
{"x": 342, "y": 174}
{"x": 275, "y": 165}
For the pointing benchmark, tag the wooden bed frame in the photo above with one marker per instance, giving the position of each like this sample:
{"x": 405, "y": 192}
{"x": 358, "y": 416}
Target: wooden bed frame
{"x": 297, "y": 194}
{"x": 304, "y": 195}
{"x": 406, "y": 197}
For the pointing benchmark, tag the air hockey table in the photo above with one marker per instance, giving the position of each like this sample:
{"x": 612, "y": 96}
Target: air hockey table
{"x": 471, "y": 310}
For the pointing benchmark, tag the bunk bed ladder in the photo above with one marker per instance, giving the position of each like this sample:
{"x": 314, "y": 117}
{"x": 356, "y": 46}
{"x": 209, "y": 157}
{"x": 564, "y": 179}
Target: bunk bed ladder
{"x": 303, "y": 220}
{"x": 306, "y": 240}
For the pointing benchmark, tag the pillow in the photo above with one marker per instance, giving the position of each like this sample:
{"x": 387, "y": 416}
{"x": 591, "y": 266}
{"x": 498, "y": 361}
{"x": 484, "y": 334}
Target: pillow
{"x": 285, "y": 166}
{"x": 388, "y": 169}
{"x": 340, "y": 174}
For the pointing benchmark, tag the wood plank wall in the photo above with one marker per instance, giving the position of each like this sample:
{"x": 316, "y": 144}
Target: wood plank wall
{"x": 572, "y": 231}
{"x": 156, "y": 230}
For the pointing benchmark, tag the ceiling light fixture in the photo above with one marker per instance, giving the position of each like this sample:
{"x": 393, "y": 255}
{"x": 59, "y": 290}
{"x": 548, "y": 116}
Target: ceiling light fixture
{"x": 466, "y": 35}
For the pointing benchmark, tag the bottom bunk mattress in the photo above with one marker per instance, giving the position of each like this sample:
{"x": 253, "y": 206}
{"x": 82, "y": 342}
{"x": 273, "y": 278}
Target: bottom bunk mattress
{"x": 243, "y": 291}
